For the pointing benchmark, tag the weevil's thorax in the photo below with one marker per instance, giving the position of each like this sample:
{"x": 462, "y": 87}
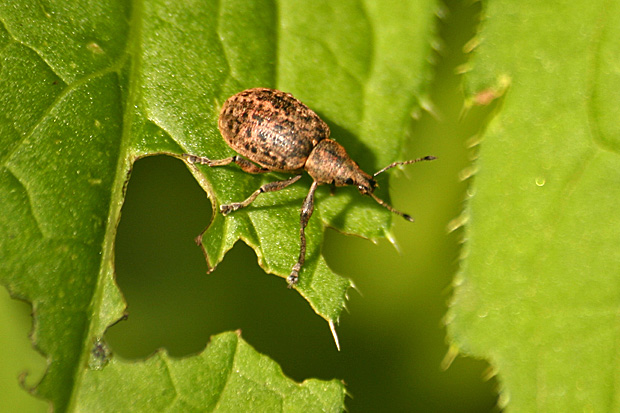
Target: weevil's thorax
{"x": 329, "y": 163}
{"x": 271, "y": 128}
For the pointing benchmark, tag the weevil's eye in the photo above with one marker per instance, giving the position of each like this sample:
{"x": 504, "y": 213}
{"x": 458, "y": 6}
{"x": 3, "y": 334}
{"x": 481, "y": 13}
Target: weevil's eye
{"x": 367, "y": 187}
{"x": 348, "y": 181}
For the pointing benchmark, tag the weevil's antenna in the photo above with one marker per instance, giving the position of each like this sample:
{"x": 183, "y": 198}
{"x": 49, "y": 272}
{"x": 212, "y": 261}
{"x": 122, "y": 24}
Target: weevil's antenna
{"x": 389, "y": 207}
{"x": 390, "y": 166}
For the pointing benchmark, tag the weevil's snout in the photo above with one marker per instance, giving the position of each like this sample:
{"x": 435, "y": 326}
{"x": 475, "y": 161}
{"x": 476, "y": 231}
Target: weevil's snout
{"x": 367, "y": 186}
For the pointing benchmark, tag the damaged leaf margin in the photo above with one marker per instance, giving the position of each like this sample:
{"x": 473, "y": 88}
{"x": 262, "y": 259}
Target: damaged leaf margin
{"x": 89, "y": 89}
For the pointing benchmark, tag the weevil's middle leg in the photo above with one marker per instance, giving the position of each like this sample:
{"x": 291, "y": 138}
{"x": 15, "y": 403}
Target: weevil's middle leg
{"x": 306, "y": 212}
{"x": 270, "y": 187}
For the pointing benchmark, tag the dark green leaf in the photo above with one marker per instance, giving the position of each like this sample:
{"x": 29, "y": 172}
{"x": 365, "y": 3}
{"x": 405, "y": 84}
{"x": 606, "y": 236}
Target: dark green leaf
{"x": 88, "y": 87}
{"x": 228, "y": 376}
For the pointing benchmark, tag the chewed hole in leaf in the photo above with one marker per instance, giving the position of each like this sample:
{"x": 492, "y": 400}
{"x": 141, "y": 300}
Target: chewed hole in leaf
{"x": 174, "y": 303}
{"x": 23, "y": 361}
{"x": 157, "y": 262}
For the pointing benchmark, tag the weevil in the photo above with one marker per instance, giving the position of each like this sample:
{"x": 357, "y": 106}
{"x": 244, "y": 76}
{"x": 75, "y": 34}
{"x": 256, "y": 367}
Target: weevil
{"x": 275, "y": 132}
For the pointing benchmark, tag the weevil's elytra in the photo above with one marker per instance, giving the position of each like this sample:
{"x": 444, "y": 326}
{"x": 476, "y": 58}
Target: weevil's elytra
{"x": 276, "y": 132}
{"x": 271, "y": 128}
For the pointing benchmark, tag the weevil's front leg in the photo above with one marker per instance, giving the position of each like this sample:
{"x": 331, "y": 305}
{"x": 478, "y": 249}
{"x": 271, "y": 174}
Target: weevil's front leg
{"x": 306, "y": 212}
{"x": 270, "y": 187}
{"x": 243, "y": 163}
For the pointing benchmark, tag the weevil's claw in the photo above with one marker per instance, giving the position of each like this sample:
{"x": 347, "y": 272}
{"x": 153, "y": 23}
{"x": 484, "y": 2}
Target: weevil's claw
{"x": 293, "y": 279}
{"x": 228, "y": 208}
{"x": 193, "y": 159}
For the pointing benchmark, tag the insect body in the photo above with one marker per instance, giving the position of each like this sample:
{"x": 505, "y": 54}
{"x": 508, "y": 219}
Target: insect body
{"x": 276, "y": 132}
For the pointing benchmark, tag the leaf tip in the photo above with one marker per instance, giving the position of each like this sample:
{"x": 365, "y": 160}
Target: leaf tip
{"x": 457, "y": 222}
{"x": 468, "y": 172}
{"x": 428, "y": 106}
{"x": 453, "y": 351}
{"x": 489, "y": 373}
{"x": 352, "y": 285}
{"x": 332, "y": 327}
{"x": 487, "y": 96}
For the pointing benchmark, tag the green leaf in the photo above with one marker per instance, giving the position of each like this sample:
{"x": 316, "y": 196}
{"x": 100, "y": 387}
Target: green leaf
{"x": 89, "y": 87}
{"x": 367, "y": 102}
{"x": 538, "y": 291}
{"x": 230, "y": 376}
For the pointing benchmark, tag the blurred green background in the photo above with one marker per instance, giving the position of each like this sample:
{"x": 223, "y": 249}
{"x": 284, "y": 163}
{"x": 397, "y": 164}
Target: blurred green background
{"x": 393, "y": 339}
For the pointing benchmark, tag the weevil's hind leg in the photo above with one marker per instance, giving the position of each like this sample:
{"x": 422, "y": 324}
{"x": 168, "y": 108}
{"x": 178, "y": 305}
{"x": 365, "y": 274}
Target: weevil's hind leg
{"x": 270, "y": 187}
{"x": 243, "y": 163}
{"x": 306, "y": 212}
{"x": 248, "y": 166}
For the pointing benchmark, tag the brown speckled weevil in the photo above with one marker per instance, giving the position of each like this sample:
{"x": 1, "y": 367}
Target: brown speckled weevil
{"x": 281, "y": 134}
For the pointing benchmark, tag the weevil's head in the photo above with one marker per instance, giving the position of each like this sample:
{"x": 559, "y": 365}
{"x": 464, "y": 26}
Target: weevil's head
{"x": 329, "y": 163}
{"x": 366, "y": 186}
